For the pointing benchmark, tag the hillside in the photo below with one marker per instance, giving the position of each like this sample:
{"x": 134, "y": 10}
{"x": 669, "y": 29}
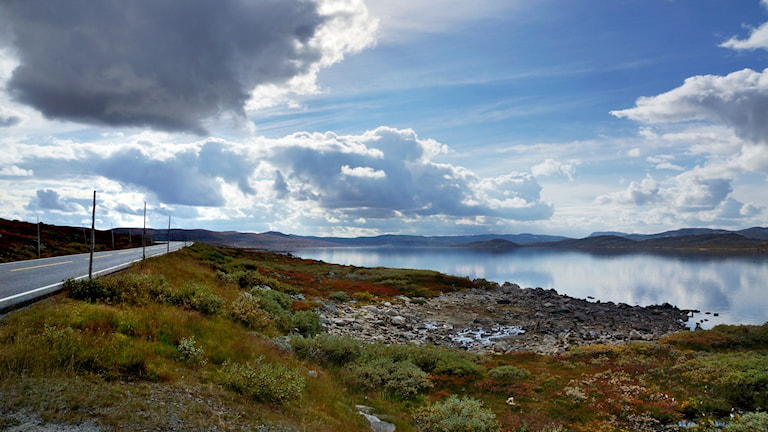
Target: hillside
{"x": 18, "y": 240}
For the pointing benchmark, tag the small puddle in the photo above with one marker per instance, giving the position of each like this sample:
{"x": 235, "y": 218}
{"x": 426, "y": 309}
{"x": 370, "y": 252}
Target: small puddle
{"x": 471, "y": 337}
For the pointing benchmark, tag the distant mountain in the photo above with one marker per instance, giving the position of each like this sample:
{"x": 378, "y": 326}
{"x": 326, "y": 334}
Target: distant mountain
{"x": 600, "y": 241}
{"x": 681, "y": 239}
{"x": 750, "y": 233}
{"x": 267, "y": 241}
{"x": 424, "y": 241}
{"x": 498, "y": 244}
{"x": 755, "y": 233}
{"x": 19, "y": 240}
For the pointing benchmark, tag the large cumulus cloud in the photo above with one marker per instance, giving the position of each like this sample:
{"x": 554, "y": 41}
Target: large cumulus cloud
{"x": 370, "y": 180}
{"x": 390, "y": 173}
{"x": 739, "y": 100}
{"x": 170, "y": 64}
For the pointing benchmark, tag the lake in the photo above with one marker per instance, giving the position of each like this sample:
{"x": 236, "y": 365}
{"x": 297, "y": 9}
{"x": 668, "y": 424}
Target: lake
{"x": 726, "y": 289}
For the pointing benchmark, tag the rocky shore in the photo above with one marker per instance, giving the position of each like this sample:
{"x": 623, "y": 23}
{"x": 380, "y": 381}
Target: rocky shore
{"x": 505, "y": 318}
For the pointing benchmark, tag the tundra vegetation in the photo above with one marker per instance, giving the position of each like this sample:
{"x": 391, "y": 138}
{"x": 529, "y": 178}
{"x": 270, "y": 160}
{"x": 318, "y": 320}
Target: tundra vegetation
{"x": 222, "y": 339}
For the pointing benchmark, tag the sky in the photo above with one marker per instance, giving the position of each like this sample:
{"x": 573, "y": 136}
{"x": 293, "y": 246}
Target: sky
{"x": 368, "y": 117}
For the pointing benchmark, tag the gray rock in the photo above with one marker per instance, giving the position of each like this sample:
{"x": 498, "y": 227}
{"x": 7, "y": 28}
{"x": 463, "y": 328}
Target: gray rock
{"x": 378, "y": 425}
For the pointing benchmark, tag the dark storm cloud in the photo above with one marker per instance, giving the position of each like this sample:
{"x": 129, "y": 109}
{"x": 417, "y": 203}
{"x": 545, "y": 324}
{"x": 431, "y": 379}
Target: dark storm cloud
{"x": 193, "y": 176}
{"x": 8, "y": 121}
{"x": 190, "y": 177}
{"x": 47, "y": 199}
{"x": 166, "y": 64}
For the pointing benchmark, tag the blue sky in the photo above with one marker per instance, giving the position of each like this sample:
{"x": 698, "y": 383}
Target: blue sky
{"x": 352, "y": 117}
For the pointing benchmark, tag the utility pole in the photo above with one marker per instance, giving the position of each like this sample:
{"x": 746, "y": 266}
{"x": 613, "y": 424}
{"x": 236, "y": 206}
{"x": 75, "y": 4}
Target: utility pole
{"x": 38, "y": 237}
{"x": 112, "y": 231}
{"x": 168, "y": 250}
{"x": 93, "y": 237}
{"x": 144, "y": 234}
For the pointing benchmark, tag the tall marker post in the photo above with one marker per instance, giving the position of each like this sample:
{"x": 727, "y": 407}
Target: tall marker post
{"x": 93, "y": 237}
{"x": 144, "y": 234}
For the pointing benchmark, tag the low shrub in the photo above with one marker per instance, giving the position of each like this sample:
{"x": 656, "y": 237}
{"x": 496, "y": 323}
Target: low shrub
{"x": 339, "y": 297}
{"x": 92, "y": 290}
{"x": 327, "y": 349}
{"x": 252, "y": 279}
{"x": 197, "y": 297}
{"x": 189, "y": 351}
{"x": 247, "y": 310}
{"x": 735, "y": 380}
{"x": 402, "y": 379}
{"x": 431, "y": 359}
{"x": 363, "y": 296}
{"x": 456, "y": 414}
{"x": 263, "y": 382}
{"x": 749, "y": 422}
{"x": 508, "y": 374}
{"x": 721, "y": 337}
{"x": 306, "y": 323}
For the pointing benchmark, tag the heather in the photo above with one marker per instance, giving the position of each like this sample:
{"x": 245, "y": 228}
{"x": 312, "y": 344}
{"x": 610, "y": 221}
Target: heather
{"x": 222, "y": 339}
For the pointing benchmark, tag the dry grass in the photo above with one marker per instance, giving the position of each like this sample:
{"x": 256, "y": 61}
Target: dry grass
{"x": 145, "y": 363}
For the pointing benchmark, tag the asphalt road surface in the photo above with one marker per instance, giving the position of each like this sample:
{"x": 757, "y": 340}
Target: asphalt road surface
{"x": 23, "y": 281}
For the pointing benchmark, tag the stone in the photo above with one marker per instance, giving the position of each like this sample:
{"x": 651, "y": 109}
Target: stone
{"x": 561, "y": 323}
{"x": 378, "y": 425}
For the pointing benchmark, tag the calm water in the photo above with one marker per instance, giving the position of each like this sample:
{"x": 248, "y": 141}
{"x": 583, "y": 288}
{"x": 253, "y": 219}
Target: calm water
{"x": 735, "y": 288}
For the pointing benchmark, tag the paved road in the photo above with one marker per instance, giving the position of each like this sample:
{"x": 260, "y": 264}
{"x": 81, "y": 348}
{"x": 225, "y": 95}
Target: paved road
{"x": 22, "y": 281}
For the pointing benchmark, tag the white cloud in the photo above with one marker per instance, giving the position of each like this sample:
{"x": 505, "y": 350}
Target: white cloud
{"x": 637, "y": 193}
{"x": 366, "y": 172}
{"x": 401, "y": 19}
{"x": 758, "y": 38}
{"x": 389, "y": 173}
{"x": 695, "y": 193}
{"x": 372, "y": 181}
{"x": 738, "y": 100}
{"x": 14, "y": 171}
{"x": 551, "y": 167}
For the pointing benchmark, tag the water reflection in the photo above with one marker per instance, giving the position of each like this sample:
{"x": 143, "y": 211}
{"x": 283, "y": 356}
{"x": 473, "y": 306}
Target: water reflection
{"x": 733, "y": 287}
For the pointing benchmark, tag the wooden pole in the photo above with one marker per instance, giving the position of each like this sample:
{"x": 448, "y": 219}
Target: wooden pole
{"x": 93, "y": 237}
{"x": 168, "y": 249}
{"x": 144, "y": 234}
{"x": 38, "y": 237}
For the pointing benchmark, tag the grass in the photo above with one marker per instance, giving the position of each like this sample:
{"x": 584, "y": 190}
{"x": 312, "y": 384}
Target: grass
{"x": 195, "y": 341}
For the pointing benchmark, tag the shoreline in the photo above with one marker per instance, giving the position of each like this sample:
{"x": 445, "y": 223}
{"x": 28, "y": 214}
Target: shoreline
{"x": 503, "y": 319}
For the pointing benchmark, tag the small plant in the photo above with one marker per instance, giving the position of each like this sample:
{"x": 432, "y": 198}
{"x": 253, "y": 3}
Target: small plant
{"x": 431, "y": 359}
{"x": 197, "y": 297}
{"x": 339, "y": 297}
{"x": 364, "y": 296}
{"x": 92, "y": 290}
{"x": 327, "y": 349}
{"x": 190, "y": 352}
{"x": 508, "y": 374}
{"x": 402, "y": 379}
{"x": 306, "y": 323}
{"x": 263, "y": 382}
{"x": 247, "y": 310}
{"x": 737, "y": 380}
{"x": 456, "y": 414}
{"x": 749, "y": 422}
